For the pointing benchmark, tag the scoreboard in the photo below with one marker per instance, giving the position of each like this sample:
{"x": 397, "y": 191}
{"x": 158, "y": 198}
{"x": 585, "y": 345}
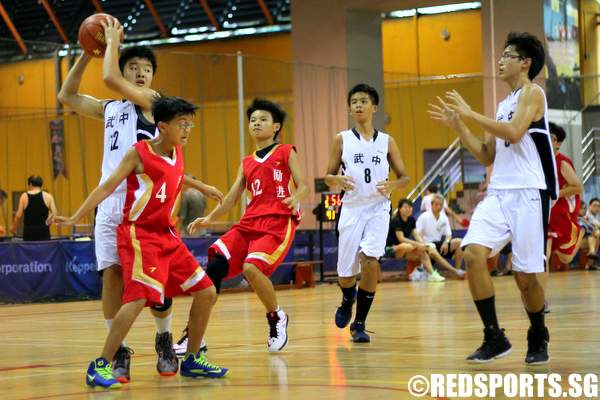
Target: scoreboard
{"x": 330, "y": 206}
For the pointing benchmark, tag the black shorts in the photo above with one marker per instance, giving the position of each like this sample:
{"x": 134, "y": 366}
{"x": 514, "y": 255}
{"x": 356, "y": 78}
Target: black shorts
{"x": 438, "y": 246}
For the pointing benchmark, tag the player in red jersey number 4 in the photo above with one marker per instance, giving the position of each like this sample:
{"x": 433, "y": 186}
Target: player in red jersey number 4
{"x": 155, "y": 262}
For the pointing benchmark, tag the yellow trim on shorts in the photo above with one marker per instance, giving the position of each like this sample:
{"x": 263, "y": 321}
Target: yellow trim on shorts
{"x": 196, "y": 277}
{"x": 273, "y": 257}
{"x": 574, "y": 237}
{"x": 137, "y": 273}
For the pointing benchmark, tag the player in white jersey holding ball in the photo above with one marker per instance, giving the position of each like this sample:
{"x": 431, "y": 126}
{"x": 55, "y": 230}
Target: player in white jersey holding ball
{"x": 365, "y": 155}
{"x": 517, "y": 206}
{"x": 126, "y": 122}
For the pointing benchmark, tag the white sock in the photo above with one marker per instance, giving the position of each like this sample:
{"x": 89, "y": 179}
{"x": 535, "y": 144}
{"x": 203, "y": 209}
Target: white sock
{"x": 163, "y": 324}
{"x": 109, "y": 323}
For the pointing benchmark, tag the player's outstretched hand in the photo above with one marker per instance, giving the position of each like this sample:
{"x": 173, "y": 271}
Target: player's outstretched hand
{"x": 458, "y": 104}
{"x": 60, "y": 220}
{"x": 213, "y": 193}
{"x": 198, "y": 223}
{"x": 388, "y": 186}
{"x": 444, "y": 113}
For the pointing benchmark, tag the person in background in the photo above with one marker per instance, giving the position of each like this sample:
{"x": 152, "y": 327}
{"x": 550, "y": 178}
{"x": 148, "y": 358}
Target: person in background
{"x": 193, "y": 204}
{"x": 36, "y": 207}
{"x": 3, "y": 196}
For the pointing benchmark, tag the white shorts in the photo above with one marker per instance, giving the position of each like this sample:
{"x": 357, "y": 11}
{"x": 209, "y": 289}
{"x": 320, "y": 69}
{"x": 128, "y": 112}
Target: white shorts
{"x": 363, "y": 229}
{"x": 108, "y": 217}
{"x": 517, "y": 215}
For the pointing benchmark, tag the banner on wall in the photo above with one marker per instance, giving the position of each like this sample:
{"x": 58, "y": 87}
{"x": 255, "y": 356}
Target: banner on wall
{"x": 561, "y": 28}
{"x": 57, "y": 143}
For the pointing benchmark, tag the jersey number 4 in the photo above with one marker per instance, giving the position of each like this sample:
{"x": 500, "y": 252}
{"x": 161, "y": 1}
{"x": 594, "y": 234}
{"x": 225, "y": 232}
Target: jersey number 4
{"x": 161, "y": 194}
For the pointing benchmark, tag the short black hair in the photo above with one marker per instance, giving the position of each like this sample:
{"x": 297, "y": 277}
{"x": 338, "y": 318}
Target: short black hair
{"x": 35, "y": 180}
{"x": 528, "y": 46}
{"x": 165, "y": 108}
{"x": 557, "y": 131}
{"x": 593, "y": 200}
{"x": 364, "y": 88}
{"x": 276, "y": 112}
{"x": 432, "y": 188}
{"x": 403, "y": 202}
{"x": 137, "y": 51}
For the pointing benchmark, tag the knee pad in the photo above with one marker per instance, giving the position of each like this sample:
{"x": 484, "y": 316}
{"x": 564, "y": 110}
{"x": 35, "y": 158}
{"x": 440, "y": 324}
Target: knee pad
{"x": 165, "y": 306}
{"x": 217, "y": 269}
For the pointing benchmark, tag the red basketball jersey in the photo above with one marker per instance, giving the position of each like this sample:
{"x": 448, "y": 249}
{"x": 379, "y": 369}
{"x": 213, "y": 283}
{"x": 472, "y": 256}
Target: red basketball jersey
{"x": 569, "y": 205}
{"x": 268, "y": 182}
{"x": 152, "y": 197}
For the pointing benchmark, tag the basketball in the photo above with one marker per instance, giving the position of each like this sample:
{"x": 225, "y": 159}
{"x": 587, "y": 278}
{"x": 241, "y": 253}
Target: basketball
{"x": 91, "y": 35}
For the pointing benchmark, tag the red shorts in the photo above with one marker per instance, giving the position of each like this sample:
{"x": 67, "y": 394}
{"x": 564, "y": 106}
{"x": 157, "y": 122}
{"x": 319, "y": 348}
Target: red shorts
{"x": 262, "y": 241}
{"x": 564, "y": 231}
{"x": 157, "y": 264}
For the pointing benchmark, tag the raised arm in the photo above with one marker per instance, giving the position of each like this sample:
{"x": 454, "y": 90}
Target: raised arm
{"x": 530, "y": 108}
{"x": 206, "y": 190}
{"x": 231, "y": 198}
{"x": 69, "y": 92}
{"x": 113, "y": 78}
{"x": 483, "y": 150}
{"x": 130, "y": 162}
{"x": 332, "y": 179}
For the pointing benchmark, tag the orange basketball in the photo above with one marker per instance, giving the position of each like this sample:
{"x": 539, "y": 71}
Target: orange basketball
{"x": 91, "y": 35}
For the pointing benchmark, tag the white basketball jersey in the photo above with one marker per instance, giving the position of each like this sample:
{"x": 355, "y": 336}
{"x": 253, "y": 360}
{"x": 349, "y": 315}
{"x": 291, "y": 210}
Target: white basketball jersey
{"x": 366, "y": 162}
{"x": 124, "y": 126}
{"x": 528, "y": 164}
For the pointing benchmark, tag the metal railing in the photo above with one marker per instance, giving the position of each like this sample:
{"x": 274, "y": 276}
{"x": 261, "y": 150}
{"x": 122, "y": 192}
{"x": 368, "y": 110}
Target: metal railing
{"x": 448, "y": 168}
{"x": 588, "y": 154}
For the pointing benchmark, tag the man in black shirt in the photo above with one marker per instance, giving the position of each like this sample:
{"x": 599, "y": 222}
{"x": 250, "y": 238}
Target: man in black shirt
{"x": 399, "y": 244}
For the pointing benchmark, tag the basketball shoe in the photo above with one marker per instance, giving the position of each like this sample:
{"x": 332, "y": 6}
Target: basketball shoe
{"x": 196, "y": 366}
{"x": 99, "y": 374}
{"x": 122, "y": 363}
{"x": 167, "y": 363}
{"x": 495, "y": 345}
{"x": 278, "y": 322}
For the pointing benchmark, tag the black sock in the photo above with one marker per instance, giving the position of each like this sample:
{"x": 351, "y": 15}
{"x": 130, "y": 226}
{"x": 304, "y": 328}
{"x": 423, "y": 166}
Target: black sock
{"x": 487, "y": 312}
{"x": 364, "y": 300}
{"x": 348, "y": 296}
{"x": 537, "y": 320}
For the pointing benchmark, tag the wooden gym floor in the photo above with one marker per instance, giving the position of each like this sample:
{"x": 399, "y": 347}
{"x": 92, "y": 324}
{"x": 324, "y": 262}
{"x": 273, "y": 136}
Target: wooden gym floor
{"x": 421, "y": 328}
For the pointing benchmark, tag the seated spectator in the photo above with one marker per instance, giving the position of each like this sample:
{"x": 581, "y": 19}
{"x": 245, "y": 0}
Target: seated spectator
{"x": 433, "y": 226}
{"x": 426, "y": 204}
{"x": 591, "y": 238}
{"x": 400, "y": 245}
{"x": 37, "y": 206}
